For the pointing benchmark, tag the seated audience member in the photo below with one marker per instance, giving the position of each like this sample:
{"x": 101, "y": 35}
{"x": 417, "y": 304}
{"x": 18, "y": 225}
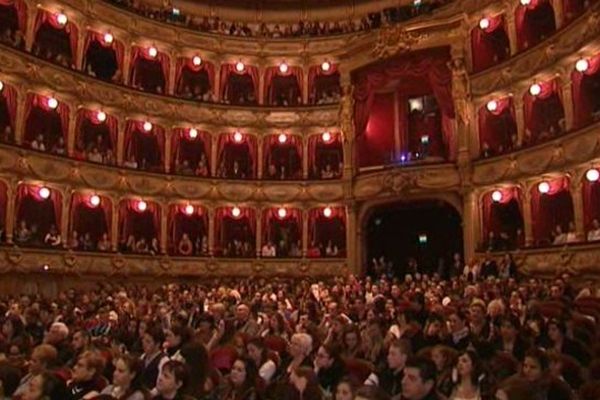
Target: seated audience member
{"x": 9, "y": 380}
{"x": 268, "y": 250}
{"x": 331, "y": 250}
{"x": 46, "y": 386}
{"x": 87, "y": 242}
{"x": 329, "y": 368}
{"x": 42, "y": 358}
{"x": 172, "y": 381}
{"x": 22, "y": 233}
{"x": 390, "y": 377}
{"x": 52, "y": 238}
{"x": 127, "y": 381}
{"x": 559, "y": 236}
{"x": 95, "y": 156}
{"x": 185, "y": 247}
{"x": 104, "y": 244}
{"x": 241, "y": 383}
{"x": 38, "y": 143}
{"x": 59, "y": 148}
{"x": 571, "y": 234}
{"x": 141, "y": 246}
{"x": 153, "y": 357}
{"x": 131, "y": 163}
{"x": 418, "y": 382}
{"x": 73, "y": 242}
{"x": 86, "y": 380}
{"x": 594, "y": 233}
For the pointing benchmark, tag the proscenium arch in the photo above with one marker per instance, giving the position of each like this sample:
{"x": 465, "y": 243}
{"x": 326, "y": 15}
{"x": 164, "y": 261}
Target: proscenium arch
{"x": 368, "y": 208}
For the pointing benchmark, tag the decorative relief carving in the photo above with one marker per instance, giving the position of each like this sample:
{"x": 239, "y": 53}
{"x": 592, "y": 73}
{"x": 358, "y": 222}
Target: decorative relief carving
{"x": 396, "y": 39}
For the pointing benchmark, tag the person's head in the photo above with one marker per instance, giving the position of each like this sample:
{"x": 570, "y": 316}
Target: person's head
{"x": 434, "y": 325}
{"x": 456, "y": 321}
{"x": 177, "y": 335}
{"x": 535, "y": 364}
{"x": 419, "y": 378}
{"x": 57, "y": 333}
{"x": 42, "y": 357}
{"x": 152, "y": 340}
{"x": 327, "y": 354}
{"x": 10, "y": 377}
{"x": 242, "y": 312}
{"x": 398, "y": 353}
{"x": 257, "y": 350}
{"x": 469, "y": 366}
{"x": 300, "y": 344}
{"x": 477, "y": 312}
{"x": 173, "y": 378}
{"x": 443, "y": 357}
{"x": 351, "y": 337}
{"x": 89, "y": 365}
{"x": 127, "y": 372}
{"x": 345, "y": 390}
{"x": 81, "y": 340}
{"x": 516, "y": 389}
{"x": 45, "y": 386}
{"x": 243, "y": 373}
{"x": 557, "y": 329}
{"x": 509, "y": 326}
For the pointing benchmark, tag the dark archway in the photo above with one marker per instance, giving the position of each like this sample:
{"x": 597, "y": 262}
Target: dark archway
{"x": 395, "y": 230}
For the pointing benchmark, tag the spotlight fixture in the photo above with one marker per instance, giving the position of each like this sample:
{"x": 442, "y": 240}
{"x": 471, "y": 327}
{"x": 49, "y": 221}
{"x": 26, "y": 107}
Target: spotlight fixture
{"x": 108, "y": 38}
{"x": 44, "y": 192}
{"x": 544, "y": 187}
{"x": 189, "y": 209}
{"x": 425, "y": 139}
{"x": 326, "y": 136}
{"x": 282, "y": 212}
{"x": 236, "y": 212}
{"x": 283, "y": 68}
{"x": 147, "y": 126}
{"x": 95, "y": 200}
{"x": 61, "y": 19}
{"x": 152, "y": 52}
{"x": 326, "y": 66}
{"x": 525, "y": 2}
{"x": 535, "y": 89}
{"x": 496, "y": 196}
{"x": 196, "y": 60}
{"x": 237, "y": 137}
{"x": 282, "y": 138}
{"x": 101, "y": 116}
{"x": 239, "y": 66}
{"x": 484, "y": 23}
{"x": 582, "y": 65}
{"x": 327, "y": 212}
{"x": 142, "y": 206}
{"x": 592, "y": 175}
{"x": 492, "y": 105}
{"x": 193, "y": 133}
{"x": 52, "y": 103}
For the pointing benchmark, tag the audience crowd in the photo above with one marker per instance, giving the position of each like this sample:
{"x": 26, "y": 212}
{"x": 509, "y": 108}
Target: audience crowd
{"x": 473, "y": 336}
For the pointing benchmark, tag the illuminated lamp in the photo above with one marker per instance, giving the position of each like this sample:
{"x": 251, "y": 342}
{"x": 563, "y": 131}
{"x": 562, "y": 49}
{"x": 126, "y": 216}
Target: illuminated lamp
{"x": 189, "y": 209}
{"x": 497, "y": 196}
{"x": 535, "y": 89}
{"x": 196, "y": 60}
{"x": 326, "y": 136}
{"x": 283, "y": 68}
{"x": 282, "y": 212}
{"x": 415, "y": 104}
{"x": 327, "y": 212}
{"x": 544, "y": 187}
{"x": 525, "y": 2}
{"x": 46, "y": 267}
{"x": 592, "y": 175}
{"x": 492, "y": 105}
{"x": 44, "y": 192}
{"x": 152, "y": 52}
{"x": 61, "y": 19}
{"x": 176, "y": 11}
{"x": 236, "y": 212}
{"x": 484, "y": 23}
{"x": 52, "y": 103}
{"x": 282, "y": 138}
{"x": 141, "y": 206}
{"x": 95, "y": 200}
{"x": 425, "y": 139}
{"x": 239, "y": 66}
{"x": 193, "y": 133}
{"x": 108, "y": 38}
{"x": 237, "y": 136}
{"x": 326, "y": 66}
{"x": 417, "y": 3}
{"x": 147, "y": 126}
{"x": 1, "y": 85}
{"x": 582, "y": 65}
{"x": 101, "y": 116}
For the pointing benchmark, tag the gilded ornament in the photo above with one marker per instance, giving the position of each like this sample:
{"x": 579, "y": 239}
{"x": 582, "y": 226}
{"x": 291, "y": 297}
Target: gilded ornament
{"x": 396, "y": 39}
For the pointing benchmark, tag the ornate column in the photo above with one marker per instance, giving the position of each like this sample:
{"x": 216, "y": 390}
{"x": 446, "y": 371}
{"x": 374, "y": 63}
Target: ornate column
{"x": 32, "y": 11}
{"x": 305, "y": 88}
{"x": 211, "y": 231}
{"x": 304, "y": 232}
{"x": 66, "y": 214}
{"x": 474, "y": 144}
{"x": 576, "y": 190}
{"x": 527, "y": 222}
{"x": 351, "y": 224}
{"x": 261, "y": 84}
{"x": 11, "y": 212}
{"x": 20, "y": 122}
{"x": 567, "y": 100}
{"x": 259, "y": 155}
{"x": 71, "y": 133}
{"x": 217, "y": 83}
{"x": 171, "y": 77}
{"x": 520, "y": 118}
{"x": 511, "y": 27}
{"x": 168, "y": 145}
{"x": 164, "y": 213}
{"x": 305, "y": 157}
{"x": 258, "y": 238}
{"x": 559, "y": 13}
{"x": 471, "y": 223}
{"x": 461, "y": 94}
{"x": 346, "y": 121}
{"x": 121, "y": 141}
{"x": 79, "y": 54}
{"x": 214, "y": 154}
{"x": 126, "y": 62}
{"x": 114, "y": 231}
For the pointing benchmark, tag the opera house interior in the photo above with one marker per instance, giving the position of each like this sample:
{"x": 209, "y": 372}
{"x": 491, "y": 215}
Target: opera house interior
{"x": 300, "y": 199}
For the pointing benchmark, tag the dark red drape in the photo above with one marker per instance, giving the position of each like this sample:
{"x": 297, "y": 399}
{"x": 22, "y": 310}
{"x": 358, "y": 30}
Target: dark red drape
{"x": 323, "y": 229}
{"x": 86, "y": 121}
{"x": 140, "y": 144}
{"x": 21, "y": 9}
{"x": 34, "y": 209}
{"x": 534, "y": 22}
{"x": 490, "y": 45}
{"x": 138, "y": 53}
{"x": 195, "y": 225}
{"x": 591, "y": 202}
{"x": 315, "y": 74}
{"x": 228, "y": 69}
{"x": 489, "y": 209}
{"x": 225, "y": 223}
{"x": 10, "y": 97}
{"x": 321, "y": 153}
{"x": 496, "y": 127}
{"x": 87, "y": 218}
{"x": 116, "y": 46}
{"x": 551, "y": 209}
{"x": 272, "y": 72}
{"x": 186, "y": 148}
{"x": 544, "y": 111}
{"x": 293, "y": 145}
{"x": 376, "y": 146}
{"x": 272, "y": 222}
{"x": 583, "y": 94}
{"x": 573, "y": 8}
{"x": 70, "y": 28}
{"x": 144, "y": 224}
{"x": 226, "y": 139}
{"x": 37, "y": 113}
{"x": 186, "y": 63}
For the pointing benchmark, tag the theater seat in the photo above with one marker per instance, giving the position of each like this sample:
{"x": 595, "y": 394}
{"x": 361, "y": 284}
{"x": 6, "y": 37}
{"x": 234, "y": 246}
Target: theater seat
{"x": 222, "y": 358}
{"x": 358, "y": 369}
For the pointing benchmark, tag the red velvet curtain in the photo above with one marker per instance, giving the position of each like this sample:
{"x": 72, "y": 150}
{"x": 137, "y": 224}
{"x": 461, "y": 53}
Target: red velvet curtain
{"x": 138, "y": 53}
{"x": 591, "y": 202}
{"x": 271, "y": 218}
{"x": 25, "y": 191}
{"x": 491, "y": 220}
{"x": 184, "y": 147}
{"x": 85, "y": 116}
{"x": 228, "y": 69}
{"x": 21, "y": 8}
{"x": 249, "y": 140}
{"x": 583, "y": 97}
{"x": 314, "y": 143}
{"x": 376, "y": 146}
{"x": 272, "y": 72}
{"x": 314, "y": 73}
{"x": 430, "y": 65}
{"x": 484, "y": 49}
{"x": 34, "y": 125}
{"x": 70, "y": 28}
{"x": 322, "y": 229}
{"x": 10, "y": 97}
{"x": 180, "y": 222}
{"x": 551, "y": 209}
{"x": 82, "y": 219}
{"x": 537, "y": 116}
{"x": 222, "y": 236}
{"x": 136, "y": 146}
{"x": 572, "y": 9}
{"x": 186, "y": 63}
{"x": 496, "y": 127}
{"x": 128, "y": 225}
{"x": 527, "y": 21}
{"x": 116, "y": 46}
{"x": 272, "y": 141}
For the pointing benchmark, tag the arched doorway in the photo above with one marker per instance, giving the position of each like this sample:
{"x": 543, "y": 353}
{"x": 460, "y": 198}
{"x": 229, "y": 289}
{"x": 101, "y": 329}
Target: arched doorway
{"x": 429, "y": 231}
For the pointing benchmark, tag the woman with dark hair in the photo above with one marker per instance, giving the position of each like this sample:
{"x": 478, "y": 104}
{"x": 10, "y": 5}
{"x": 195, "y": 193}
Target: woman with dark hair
{"x": 535, "y": 370}
{"x": 258, "y": 352}
{"x": 153, "y": 358}
{"x": 172, "y": 381}
{"x": 468, "y": 377}
{"x": 175, "y": 338}
{"x": 345, "y": 390}
{"x": 14, "y": 334}
{"x": 303, "y": 385}
{"x": 46, "y": 386}
{"x": 194, "y": 355}
{"x": 241, "y": 382}
{"x": 127, "y": 380}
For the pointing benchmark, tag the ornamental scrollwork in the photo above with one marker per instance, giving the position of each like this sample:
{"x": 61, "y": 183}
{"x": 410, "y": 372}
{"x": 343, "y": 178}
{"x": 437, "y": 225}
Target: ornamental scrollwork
{"x": 396, "y": 40}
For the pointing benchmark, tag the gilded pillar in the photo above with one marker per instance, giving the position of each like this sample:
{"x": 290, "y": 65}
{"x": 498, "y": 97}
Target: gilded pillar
{"x": 567, "y": 100}
{"x": 79, "y": 55}
{"x": 11, "y": 212}
{"x": 20, "y": 122}
{"x": 114, "y": 229}
{"x": 71, "y": 133}
{"x": 305, "y": 157}
{"x": 346, "y": 120}
{"x": 261, "y": 85}
{"x": 121, "y": 142}
{"x": 126, "y": 64}
{"x": 559, "y": 13}
{"x": 305, "y": 88}
{"x": 397, "y": 140}
{"x": 66, "y": 214}
{"x": 217, "y": 83}
{"x": 304, "y": 233}
{"x": 259, "y": 212}
{"x": 171, "y": 77}
{"x": 164, "y": 213}
{"x": 32, "y": 11}
{"x": 471, "y": 223}
{"x": 527, "y": 217}
{"x": 211, "y": 231}
{"x": 214, "y": 151}
{"x": 520, "y": 118}
{"x": 168, "y": 145}
{"x": 511, "y": 28}
{"x": 576, "y": 191}
{"x": 260, "y": 158}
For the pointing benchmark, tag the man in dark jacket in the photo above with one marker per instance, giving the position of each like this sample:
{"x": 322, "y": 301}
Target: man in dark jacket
{"x": 418, "y": 382}
{"x": 329, "y": 367}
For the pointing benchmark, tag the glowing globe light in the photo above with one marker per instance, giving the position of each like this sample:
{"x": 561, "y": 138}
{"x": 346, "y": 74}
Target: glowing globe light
{"x": 592, "y": 175}
{"x": 282, "y": 138}
{"x": 425, "y": 139}
{"x": 193, "y": 133}
{"x": 142, "y": 206}
{"x": 44, "y": 192}
{"x": 236, "y": 212}
{"x": 484, "y": 23}
{"x": 327, "y": 212}
{"x": 46, "y": 267}
{"x": 326, "y": 66}
{"x": 237, "y": 137}
{"x": 189, "y": 209}
{"x": 497, "y": 196}
{"x": 326, "y": 136}
{"x": 101, "y": 116}
{"x": 108, "y": 38}
{"x": 61, "y": 19}
{"x": 1, "y": 85}
{"x": 492, "y": 105}
{"x": 282, "y": 212}
{"x": 582, "y": 65}
{"x": 147, "y": 126}
{"x": 525, "y": 2}
{"x": 239, "y": 66}
{"x": 95, "y": 200}
{"x": 196, "y": 60}
{"x": 52, "y": 103}
{"x": 152, "y": 52}
{"x": 283, "y": 68}
{"x": 535, "y": 89}
{"x": 544, "y": 187}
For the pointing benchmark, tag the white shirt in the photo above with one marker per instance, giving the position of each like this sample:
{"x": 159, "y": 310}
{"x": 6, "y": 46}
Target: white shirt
{"x": 560, "y": 239}
{"x": 571, "y": 237}
{"x": 593, "y": 235}
{"x": 267, "y": 370}
{"x": 268, "y": 251}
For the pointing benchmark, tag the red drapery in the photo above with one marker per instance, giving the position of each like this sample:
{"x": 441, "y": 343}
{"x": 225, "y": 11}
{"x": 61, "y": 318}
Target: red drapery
{"x": 528, "y": 31}
{"x": 550, "y": 209}
{"x": 116, "y": 46}
{"x": 130, "y": 225}
{"x": 250, "y": 142}
{"x": 228, "y": 69}
{"x": 376, "y": 145}
{"x": 537, "y": 117}
{"x": 82, "y": 219}
{"x": 315, "y": 165}
{"x": 186, "y": 63}
{"x": 591, "y": 202}
{"x": 415, "y": 125}
{"x": 10, "y": 97}
{"x": 583, "y": 97}
{"x": 85, "y": 116}
{"x": 322, "y": 229}
{"x": 35, "y": 126}
{"x": 138, "y": 53}
{"x": 271, "y": 142}
{"x": 271, "y": 218}
{"x": 272, "y": 72}
{"x": 314, "y": 73}
{"x": 572, "y": 9}
{"x": 70, "y": 28}
{"x": 3, "y": 203}
{"x": 222, "y": 236}
{"x": 486, "y": 50}
{"x": 21, "y": 8}
{"x": 32, "y": 191}
{"x": 430, "y": 65}
{"x": 491, "y": 220}
{"x": 186, "y": 148}
{"x": 180, "y": 222}
{"x": 496, "y": 127}
{"x": 138, "y": 146}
